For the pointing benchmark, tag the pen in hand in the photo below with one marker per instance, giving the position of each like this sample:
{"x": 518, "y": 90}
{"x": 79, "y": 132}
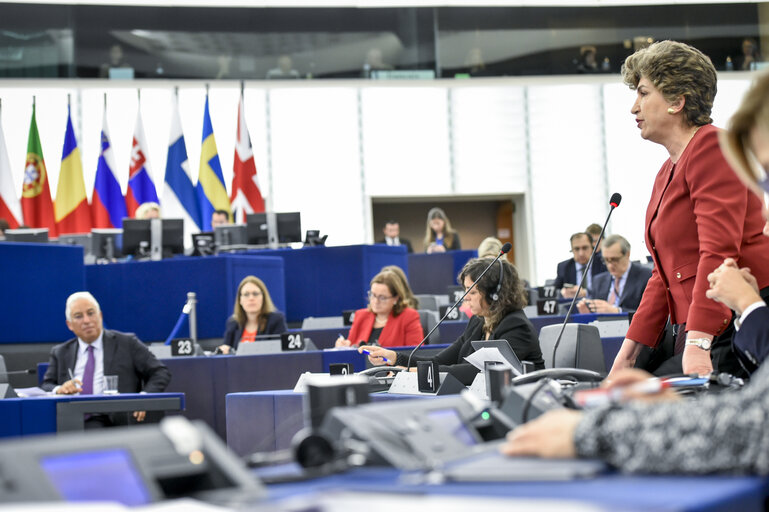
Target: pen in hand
{"x": 368, "y": 352}
{"x": 72, "y": 377}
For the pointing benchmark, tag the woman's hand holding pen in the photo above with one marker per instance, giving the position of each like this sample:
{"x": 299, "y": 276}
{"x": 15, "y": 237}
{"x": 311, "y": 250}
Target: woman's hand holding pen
{"x": 341, "y": 341}
{"x": 378, "y": 355}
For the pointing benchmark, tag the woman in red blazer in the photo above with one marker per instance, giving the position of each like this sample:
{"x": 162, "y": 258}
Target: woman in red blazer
{"x": 699, "y": 214}
{"x": 388, "y": 320}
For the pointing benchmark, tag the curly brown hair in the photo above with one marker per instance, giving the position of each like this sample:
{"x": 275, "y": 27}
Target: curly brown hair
{"x": 511, "y": 296}
{"x": 677, "y": 70}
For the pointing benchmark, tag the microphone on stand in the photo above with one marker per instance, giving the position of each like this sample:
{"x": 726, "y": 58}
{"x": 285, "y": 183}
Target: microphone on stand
{"x": 504, "y": 250}
{"x": 613, "y": 202}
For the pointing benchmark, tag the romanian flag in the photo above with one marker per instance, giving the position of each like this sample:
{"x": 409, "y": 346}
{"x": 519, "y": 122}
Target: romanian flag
{"x": 246, "y": 196}
{"x": 108, "y": 204}
{"x": 73, "y": 215}
{"x": 141, "y": 189}
{"x": 10, "y": 207}
{"x": 36, "y": 203}
{"x": 212, "y": 193}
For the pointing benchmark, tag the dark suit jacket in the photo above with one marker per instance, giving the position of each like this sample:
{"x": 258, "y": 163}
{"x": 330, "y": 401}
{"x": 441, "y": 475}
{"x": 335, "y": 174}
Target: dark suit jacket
{"x": 699, "y": 213}
{"x": 752, "y": 340}
{"x": 633, "y": 291}
{"x": 567, "y": 271}
{"x": 403, "y": 241}
{"x": 276, "y": 324}
{"x": 515, "y": 328}
{"x": 124, "y": 355}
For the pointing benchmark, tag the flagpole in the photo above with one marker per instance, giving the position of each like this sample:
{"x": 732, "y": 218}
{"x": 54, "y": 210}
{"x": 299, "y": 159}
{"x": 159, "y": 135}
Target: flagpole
{"x": 242, "y": 87}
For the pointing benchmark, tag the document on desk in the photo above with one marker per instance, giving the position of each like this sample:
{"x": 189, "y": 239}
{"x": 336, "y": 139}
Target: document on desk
{"x": 34, "y": 391}
{"x": 487, "y": 354}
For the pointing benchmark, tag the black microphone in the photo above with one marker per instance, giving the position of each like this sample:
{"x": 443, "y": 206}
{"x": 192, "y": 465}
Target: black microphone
{"x": 504, "y": 250}
{"x": 613, "y": 202}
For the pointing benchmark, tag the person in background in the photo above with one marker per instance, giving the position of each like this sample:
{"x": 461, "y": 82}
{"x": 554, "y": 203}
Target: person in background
{"x": 392, "y": 231}
{"x": 699, "y": 214}
{"x": 254, "y": 315}
{"x": 594, "y": 230}
{"x": 490, "y": 247}
{"x": 148, "y": 210}
{"x": 284, "y": 71}
{"x": 4, "y": 225}
{"x": 497, "y": 303}
{"x": 569, "y": 272}
{"x": 220, "y": 218}
{"x": 750, "y": 55}
{"x": 717, "y": 433}
{"x": 80, "y": 364}
{"x": 388, "y": 320}
{"x": 621, "y": 288}
{"x": 439, "y": 235}
{"x": 408, "y": 296}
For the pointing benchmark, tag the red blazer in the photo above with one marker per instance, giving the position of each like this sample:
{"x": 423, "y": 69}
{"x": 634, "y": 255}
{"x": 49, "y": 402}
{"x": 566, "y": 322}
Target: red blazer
{"x": 402, "y": 330}
{"x": 699, "y": 214}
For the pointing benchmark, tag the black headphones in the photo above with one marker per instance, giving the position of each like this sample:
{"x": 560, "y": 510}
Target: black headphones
{"x": 495, "y": 295}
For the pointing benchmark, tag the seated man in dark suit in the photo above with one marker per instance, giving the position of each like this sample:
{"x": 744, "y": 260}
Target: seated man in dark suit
{"x": 621, "y": 288}
{"x": 392, "y": 232}
{"x": 737, "y": 288}
{"x": 80, "y": 364}
{"x": 570, "y": 271}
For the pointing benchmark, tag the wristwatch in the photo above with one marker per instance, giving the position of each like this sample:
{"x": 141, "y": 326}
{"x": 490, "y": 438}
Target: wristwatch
{"x": 702, "y": 343}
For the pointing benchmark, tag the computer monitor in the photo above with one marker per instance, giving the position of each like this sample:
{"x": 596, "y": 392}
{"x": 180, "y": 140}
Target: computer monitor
{"x": 35, "y": 235}
{"x": 230, "y": 234}
{"x": 82, "y": 239}
{"x": 289, "y": 227}
{"x": 256, "y": 229}
{"x": 106, "y": 243}
{"x": 173, "y": 236}
{"x": 136, "y": 237}
{"x": 203, "y": 243}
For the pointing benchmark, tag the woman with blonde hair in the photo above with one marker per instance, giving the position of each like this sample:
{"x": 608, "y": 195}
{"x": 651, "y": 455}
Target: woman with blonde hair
{"x": 388, "y": 320}
{"x": 254, "y": 315}
{"x": 439, "y": 235}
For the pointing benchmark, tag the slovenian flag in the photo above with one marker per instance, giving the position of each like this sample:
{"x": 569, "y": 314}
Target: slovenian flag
{"x": 107, "y": 205}
{"x": 212, "y": 193}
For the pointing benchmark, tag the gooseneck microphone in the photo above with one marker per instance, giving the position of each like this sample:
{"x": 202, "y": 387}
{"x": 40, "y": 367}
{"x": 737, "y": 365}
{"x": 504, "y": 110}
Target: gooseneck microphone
{"x": 504, "y": 250}
{"x": 613, "y": 203}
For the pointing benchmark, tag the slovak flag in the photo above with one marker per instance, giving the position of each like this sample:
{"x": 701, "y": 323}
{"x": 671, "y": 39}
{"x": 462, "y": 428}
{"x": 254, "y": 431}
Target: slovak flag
{"x": 246, "y": 196}
{"x": 141, "y": 188}
{"x": 107, "y": 204}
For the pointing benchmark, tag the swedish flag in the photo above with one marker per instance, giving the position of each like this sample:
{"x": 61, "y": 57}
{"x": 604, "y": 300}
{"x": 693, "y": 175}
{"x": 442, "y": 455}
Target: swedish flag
{"x": 212, "y": 193}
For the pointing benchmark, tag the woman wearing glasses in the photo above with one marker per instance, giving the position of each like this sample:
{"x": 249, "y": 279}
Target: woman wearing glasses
{"x": 497, "y": 303}
{"x": 388, "y": 320}
{"x": 254, "y": 315}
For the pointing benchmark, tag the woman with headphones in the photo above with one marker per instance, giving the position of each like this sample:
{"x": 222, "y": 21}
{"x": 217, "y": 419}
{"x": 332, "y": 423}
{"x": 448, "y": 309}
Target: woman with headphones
{"x": 497, "y": 303}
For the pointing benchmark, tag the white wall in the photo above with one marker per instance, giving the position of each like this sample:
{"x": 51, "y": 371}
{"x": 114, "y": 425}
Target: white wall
{"x": 324, "y": 148}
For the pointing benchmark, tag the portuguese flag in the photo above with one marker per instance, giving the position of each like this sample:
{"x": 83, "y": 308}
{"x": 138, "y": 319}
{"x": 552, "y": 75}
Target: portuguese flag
{"x": 36, "y": 204}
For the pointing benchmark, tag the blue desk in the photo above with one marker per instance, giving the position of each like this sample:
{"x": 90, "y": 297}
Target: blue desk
{"x": 206, "y": 381}
{"x": 56, "y": 413}
{"x": 610, "y": 492}
{"x": 580, "y": 318}
{"x": 433, "y": 273}
{"x": 449, "y": 331}
{"x": 37, "y": 279}
{"x": 324, "y": 281}
{"x": 146, "y": 297}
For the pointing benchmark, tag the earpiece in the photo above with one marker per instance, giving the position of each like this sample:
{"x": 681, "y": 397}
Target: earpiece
{"x": 495, "y": 295}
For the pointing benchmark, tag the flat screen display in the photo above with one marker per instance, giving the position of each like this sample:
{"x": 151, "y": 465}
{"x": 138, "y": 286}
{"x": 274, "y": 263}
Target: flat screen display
{"x": 105, "y": 475}
{"x": 449, "y": 421}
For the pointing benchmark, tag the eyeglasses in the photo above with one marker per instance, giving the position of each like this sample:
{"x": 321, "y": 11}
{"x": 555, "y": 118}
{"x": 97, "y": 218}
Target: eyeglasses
{"x": 246, "y": 295}
{"x": 613, "y": 261}
{"x": 379, "y": 298}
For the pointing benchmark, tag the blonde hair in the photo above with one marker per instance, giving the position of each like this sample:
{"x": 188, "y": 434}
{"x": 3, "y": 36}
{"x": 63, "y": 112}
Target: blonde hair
{"x": 145, "y": 208}
{"x": 395, "y": 285}
{"x": 678, "y": 71}
{"x": 267, "y": 305}
{"x": 752, "y": 113}
{"x": 490, "y": 248}
{"x": 448, "y": 231}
